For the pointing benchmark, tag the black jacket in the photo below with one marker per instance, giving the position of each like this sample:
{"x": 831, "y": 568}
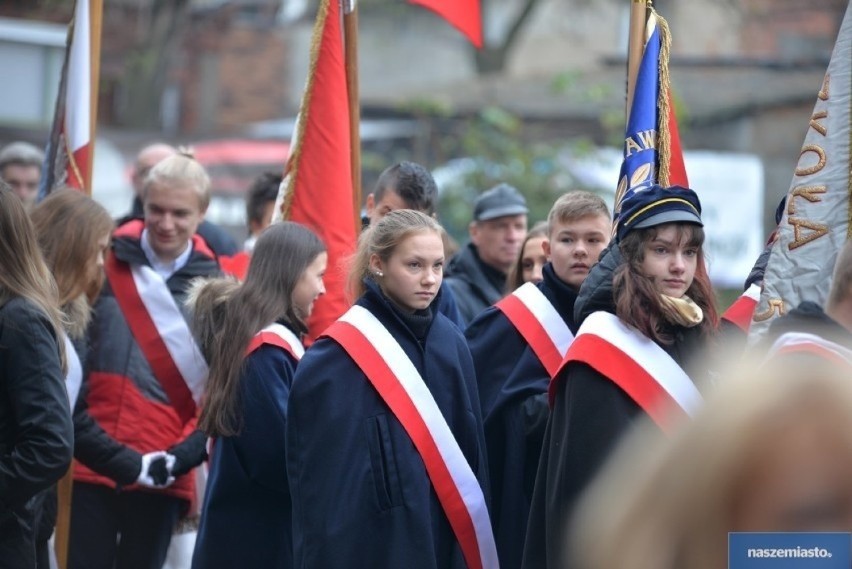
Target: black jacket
{"x": 36, "y": 433}
{"x": 590, "y": 414}
{"x": 810, "y": 318}
{"x": 513, "y": 393}
{"x": 475, "y": 285}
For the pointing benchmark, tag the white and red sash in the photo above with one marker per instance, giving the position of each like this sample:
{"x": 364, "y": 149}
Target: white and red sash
{"x": 400, "y": 385}
{"x": 804, "y": 343}
{"x": 74, "y": 377}
{"x": 161, "y": 331}
{"x": 277, "y": 335}
{"x": 741, "y": 311}
{"x": 536, "y": 319}
{"x": 640, "y": 367}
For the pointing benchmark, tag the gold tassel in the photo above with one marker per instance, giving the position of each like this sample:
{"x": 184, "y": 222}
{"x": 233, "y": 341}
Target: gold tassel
{"x": 663, "y": 135}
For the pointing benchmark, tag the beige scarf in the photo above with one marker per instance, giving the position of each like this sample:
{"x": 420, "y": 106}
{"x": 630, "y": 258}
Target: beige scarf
{"x": 682, "y": 311}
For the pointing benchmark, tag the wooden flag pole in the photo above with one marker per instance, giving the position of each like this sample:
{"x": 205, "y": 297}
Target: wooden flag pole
{"x": 350, "y": 32}
{"x": 95, "y": 25}
{"x": 63, "y": 517}
{"x": 635, "y": 46}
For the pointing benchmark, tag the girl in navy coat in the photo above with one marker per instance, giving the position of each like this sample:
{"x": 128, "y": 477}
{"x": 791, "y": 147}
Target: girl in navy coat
{"x": 363, "y": 495}
{"x": 250, "y": 334}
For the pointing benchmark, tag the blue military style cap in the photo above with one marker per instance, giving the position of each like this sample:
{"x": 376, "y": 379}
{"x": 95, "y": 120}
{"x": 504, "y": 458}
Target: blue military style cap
{"x": 658, "y": 205}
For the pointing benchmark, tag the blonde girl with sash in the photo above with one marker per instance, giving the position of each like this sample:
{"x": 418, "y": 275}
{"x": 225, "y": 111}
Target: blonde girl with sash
{"x": 645, "y": 312}
{"x": 250, "y": 334}
{"x": 385, "y": 449}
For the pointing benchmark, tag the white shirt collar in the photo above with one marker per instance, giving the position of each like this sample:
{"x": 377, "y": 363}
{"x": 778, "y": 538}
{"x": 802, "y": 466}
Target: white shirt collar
{"x": 248, "y": 246}
{"x": 168, "y": 268}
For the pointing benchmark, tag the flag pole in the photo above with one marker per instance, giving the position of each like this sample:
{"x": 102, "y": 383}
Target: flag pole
{"x": 635, "y": 47}
{"x": 350, "y": 33}
{"x": 63, "y": 517}
{"x": 95, "y": 25}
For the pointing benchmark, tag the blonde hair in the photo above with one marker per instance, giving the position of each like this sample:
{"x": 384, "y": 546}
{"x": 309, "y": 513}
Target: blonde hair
{"x": 180, "y": 170}
{"x": 69, "y": 224}
{"x": 23, "y": 272}
{"x": 382, "y": 239}
{"x": 670, "y": 503}
{"x": 575, "y": 205}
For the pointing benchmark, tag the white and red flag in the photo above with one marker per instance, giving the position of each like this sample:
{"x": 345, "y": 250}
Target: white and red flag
{"x": 71, "y": 147}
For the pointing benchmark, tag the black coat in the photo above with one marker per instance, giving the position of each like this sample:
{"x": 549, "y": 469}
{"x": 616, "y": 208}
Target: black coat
{"x": 513, "y": 393}
{"x": 590, "y": 415}
{"x": 475, "y": 285}
{"x": 809, "y": 318}
{"x": 36, "y": 432}
{"x": 361, "y": 494}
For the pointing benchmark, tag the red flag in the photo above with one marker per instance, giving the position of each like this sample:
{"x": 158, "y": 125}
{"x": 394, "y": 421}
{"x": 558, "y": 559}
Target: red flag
{"x": 71, "y": 146}
{"x": 677, "y": 169}
{"x": 317, "y": 189}
{"x": 464, "y": 15}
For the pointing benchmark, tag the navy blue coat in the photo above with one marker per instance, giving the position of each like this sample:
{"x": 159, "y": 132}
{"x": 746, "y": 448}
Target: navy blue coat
{"x": 513, "y": 392}
{"x": 361, "y": 494}
{"x": 245, "y": 520}
{"x": 475, "y": 285}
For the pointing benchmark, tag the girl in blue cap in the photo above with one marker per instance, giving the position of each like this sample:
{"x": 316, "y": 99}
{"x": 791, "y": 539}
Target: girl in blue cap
{"x": 645, "y": 312}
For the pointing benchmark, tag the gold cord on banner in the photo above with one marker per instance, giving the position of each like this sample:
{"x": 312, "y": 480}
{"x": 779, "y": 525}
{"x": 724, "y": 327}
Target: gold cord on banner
{"x": 664, "y": 150}
{"x": 292, "y": 168}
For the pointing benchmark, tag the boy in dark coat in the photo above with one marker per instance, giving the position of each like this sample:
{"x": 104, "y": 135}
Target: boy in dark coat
{"x": 513, "y": 378}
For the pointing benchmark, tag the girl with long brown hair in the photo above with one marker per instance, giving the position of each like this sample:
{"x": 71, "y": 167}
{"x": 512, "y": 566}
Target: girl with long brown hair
{"x": 250, "y": 334}
{"x": 36, "y": 432}
{"x": 531, "y": 258}
{"x": 73, "y": 234}
{"x": 646, "y": 312}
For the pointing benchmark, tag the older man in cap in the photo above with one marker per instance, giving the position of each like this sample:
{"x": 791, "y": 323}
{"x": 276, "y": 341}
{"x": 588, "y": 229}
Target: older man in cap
{"x": 477, "y": 274}
{"x": 20, "y": 167}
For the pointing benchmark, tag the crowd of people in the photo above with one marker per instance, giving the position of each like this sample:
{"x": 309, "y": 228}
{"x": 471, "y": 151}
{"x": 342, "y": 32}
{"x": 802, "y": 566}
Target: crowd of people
{"x": 542, "y": 398}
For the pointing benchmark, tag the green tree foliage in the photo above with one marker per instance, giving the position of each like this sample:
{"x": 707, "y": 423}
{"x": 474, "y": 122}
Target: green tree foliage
{"x": 497, "y": 147}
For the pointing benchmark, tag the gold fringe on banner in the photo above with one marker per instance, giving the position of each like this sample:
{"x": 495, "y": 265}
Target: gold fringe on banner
{"x": 292, "y": 168}
{"x": 663, "y": 134}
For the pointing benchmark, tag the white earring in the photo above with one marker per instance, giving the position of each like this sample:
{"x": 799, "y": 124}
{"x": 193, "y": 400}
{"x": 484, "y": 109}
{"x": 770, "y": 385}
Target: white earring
{"x": 379, "y": 274}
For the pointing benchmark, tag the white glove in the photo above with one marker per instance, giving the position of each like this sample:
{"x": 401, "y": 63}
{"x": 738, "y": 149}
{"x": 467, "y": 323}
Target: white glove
{"x": 156, "y": 470}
